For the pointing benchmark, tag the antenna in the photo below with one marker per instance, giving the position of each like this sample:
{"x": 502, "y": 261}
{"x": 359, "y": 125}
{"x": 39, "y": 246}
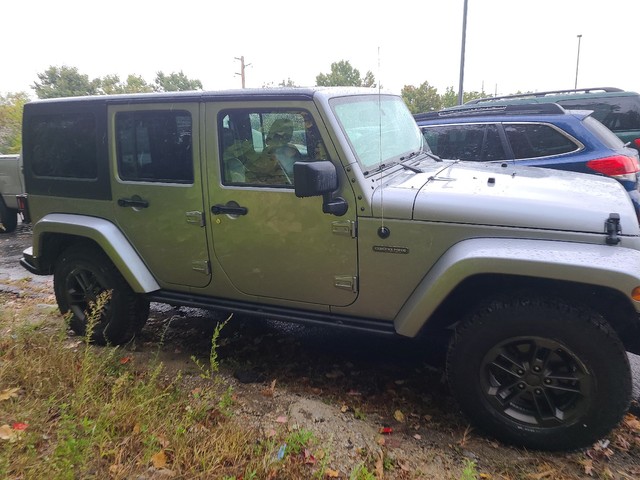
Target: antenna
{"x": 383, "y": 232}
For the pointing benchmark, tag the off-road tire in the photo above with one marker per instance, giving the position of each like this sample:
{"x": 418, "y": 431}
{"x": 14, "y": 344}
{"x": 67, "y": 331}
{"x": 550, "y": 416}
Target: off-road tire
{"x": 539, "y": 373}
{"x": 8, "y": 218}
{"x": 82, "y": 273}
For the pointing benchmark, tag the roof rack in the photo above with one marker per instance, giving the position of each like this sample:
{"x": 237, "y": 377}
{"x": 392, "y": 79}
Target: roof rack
{"x": 518, "y": 109}
{"x": 544, "y": 94}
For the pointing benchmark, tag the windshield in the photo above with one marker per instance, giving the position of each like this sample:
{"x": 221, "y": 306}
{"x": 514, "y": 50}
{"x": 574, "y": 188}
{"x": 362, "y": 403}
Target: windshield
{"x": 380, "y": 128}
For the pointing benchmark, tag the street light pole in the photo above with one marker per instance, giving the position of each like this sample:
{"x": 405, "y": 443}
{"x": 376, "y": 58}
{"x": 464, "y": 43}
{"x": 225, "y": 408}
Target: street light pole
{"x": 464, "y": 40}
{"x": 575, "y": 86}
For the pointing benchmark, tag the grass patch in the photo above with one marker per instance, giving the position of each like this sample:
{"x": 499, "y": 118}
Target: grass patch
{"x": 71, "y": 410}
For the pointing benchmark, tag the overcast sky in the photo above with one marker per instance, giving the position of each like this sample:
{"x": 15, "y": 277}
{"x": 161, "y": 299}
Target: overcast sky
{"x": 511, "y": 44}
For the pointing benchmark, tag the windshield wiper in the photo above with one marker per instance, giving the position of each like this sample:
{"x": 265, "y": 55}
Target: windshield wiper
{"x": 433, "y": 155}
{"x": 409, "y": 167}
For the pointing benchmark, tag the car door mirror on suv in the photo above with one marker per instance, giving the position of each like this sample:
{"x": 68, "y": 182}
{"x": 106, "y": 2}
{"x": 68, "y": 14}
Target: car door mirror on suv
{"x": 313, "y": 179}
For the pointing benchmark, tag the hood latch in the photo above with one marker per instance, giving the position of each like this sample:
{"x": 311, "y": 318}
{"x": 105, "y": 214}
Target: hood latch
{"x": 612, "y": 227}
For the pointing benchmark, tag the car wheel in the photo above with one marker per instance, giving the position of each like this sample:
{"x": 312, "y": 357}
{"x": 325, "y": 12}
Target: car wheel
{"x": 8, "y": 218}
{"x": 539, "y": 373}
{"x": 81, "y": 274}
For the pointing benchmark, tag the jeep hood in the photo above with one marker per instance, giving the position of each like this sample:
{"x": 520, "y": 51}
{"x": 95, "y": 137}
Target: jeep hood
{"x": 510, "y": 196}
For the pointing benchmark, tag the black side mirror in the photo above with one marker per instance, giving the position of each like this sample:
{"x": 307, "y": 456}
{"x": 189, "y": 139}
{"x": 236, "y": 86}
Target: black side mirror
{"x": 312, "y": 179}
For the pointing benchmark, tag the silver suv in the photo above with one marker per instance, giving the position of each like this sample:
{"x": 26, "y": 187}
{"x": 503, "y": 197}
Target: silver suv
{"x": 321, "y": 206}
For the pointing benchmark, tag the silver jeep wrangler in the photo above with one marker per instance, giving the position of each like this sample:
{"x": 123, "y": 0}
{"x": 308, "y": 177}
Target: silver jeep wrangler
{"x": 323, "y": 206}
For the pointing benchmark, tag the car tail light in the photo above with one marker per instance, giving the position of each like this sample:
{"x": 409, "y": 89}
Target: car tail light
{"x": 636, "y": 142}
{"x": 23, "y": 207}
{"x": 614, "y": 166}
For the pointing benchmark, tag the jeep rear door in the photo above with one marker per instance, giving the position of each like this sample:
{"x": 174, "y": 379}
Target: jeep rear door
{"x": 157, "y": 189}
{"x": 268, "y": 242}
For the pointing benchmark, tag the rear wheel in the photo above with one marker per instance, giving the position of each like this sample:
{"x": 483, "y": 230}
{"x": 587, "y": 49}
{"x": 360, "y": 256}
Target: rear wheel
{"x": 539, "y": 373}
{"x": 8, "y": 218}
{"x": 81, "y": 275}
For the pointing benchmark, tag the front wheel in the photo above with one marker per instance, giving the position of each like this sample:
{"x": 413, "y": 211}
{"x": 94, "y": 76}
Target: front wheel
{"x": 82, "y": 274}
{"x": 539, "y": 373}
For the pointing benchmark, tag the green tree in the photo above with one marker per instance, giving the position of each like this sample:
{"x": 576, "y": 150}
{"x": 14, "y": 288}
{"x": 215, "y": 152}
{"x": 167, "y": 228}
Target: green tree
{"x": 175, "y": 82}
{"x": 11, "y": 121}
{"x": 468, "y": 96}
{"x": 421, "y": 99}
{"x": 64, "y": 81}
{"x": 449, "y": 98}
{"x": 344, "y": 75}
{"x": 111, "y": 84}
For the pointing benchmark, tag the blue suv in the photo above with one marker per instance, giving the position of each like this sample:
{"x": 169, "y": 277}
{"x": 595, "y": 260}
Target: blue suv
{"x": 541, "y": 135}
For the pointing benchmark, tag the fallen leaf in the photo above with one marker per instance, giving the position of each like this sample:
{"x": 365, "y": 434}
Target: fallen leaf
{"x": 125, "y": 360}
{"x": 281, "y": 419}
{"x": 9, "y": 393}
{"x": 7, "y": 433}
{"x": 379, "y": 465}
{"x": 344, "y": 409}
{"x": 308, "y": 457}
{"x": 270, "y": 390}
{"x": 588, "y": 467}
{"x": 331, "y": 473}
{"x": 19, "y": 426}
{"x": 381, "y": 441}
{"x": 630, "y": 421}
{"x": 417, "y": 436}
{"x": 164, "y": 441}
{"x": 386, "y": 430}
{"x": 159, "y": 460}
{"x": 484, "y": 476}
{"x": 399, "y": 416}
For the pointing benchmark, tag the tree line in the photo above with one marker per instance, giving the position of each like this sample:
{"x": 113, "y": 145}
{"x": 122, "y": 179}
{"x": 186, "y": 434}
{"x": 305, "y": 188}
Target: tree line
{"x": 64, "y": 81}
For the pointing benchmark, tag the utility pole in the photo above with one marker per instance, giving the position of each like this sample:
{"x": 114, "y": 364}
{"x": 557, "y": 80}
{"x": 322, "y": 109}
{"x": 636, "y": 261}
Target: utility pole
{"x": 464, "y": 40}
{"x": 575, "y": 86}
{"x": 242, "y": 67}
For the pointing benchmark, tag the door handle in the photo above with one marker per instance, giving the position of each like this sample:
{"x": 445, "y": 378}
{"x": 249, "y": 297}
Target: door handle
{"x": 134, "y": 201}
{"x": 231, "y": 208}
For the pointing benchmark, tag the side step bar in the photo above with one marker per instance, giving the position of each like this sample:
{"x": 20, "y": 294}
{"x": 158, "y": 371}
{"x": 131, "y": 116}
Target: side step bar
{"x": 305, "y": 317}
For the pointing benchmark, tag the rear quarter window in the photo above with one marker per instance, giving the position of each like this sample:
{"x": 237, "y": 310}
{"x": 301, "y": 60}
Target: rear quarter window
{"x": 534, "y": 140}
{"x": 605, "y": 135}
{"x": 63, "y": 145}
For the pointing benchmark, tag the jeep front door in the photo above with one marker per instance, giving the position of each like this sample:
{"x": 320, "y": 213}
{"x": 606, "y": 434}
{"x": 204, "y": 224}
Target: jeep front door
{"x": 269, "y": 242}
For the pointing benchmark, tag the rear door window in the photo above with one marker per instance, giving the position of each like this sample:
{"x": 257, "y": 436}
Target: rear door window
{"x": 155, "y": 146}
{"x": 470, "y": 142}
